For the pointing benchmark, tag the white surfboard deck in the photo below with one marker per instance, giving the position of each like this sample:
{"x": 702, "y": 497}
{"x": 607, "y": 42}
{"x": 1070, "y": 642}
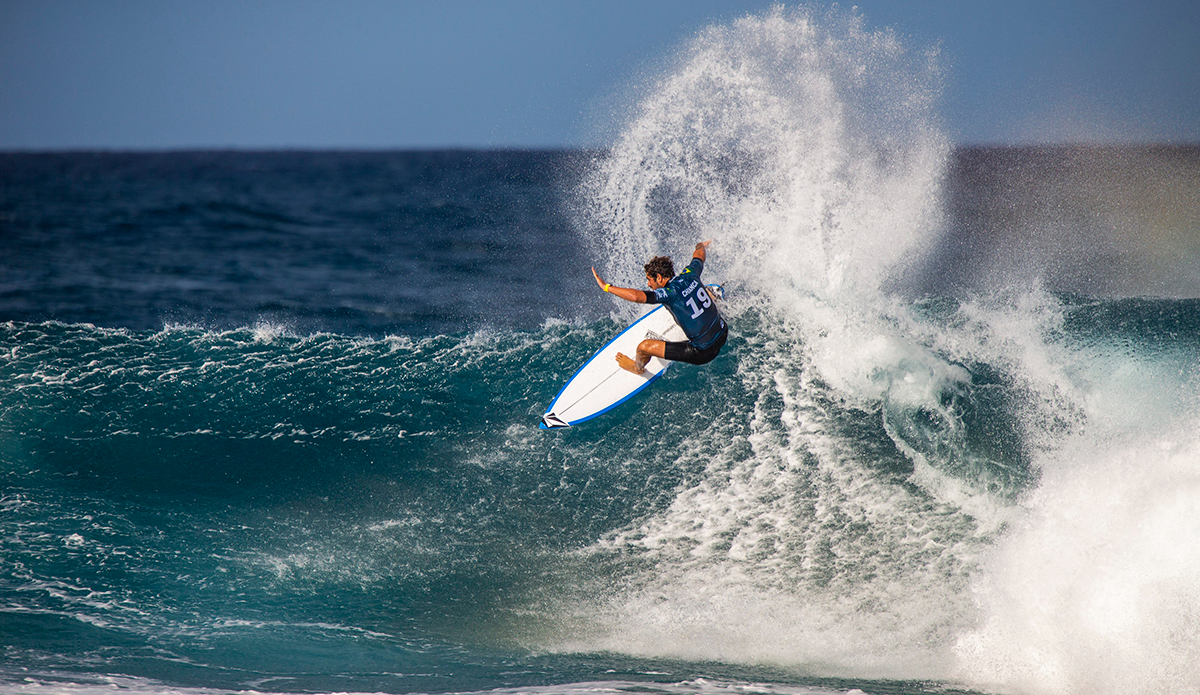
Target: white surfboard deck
{"x": 601, "y": 385}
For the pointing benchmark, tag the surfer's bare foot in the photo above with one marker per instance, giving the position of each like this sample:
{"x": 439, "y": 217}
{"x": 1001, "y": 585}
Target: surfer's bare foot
{"x": 629, "y": 365}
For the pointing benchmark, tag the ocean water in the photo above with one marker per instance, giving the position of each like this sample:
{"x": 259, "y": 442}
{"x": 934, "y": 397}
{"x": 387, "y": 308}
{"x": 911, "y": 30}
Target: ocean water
{"x": 268, "y": 420}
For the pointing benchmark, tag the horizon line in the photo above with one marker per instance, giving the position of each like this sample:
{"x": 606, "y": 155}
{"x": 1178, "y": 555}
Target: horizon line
{"x": 314, "y": 149}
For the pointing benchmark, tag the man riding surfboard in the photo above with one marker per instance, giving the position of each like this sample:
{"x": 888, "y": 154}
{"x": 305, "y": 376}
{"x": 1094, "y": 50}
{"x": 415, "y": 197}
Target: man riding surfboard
{"x": 688, "y": 301}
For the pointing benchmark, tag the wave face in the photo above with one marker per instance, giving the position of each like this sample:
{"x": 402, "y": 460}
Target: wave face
{"x": 268, "y": 421}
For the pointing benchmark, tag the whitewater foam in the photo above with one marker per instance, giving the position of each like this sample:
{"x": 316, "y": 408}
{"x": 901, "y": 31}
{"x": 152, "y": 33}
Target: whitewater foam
{"x": 1098, "y": 588}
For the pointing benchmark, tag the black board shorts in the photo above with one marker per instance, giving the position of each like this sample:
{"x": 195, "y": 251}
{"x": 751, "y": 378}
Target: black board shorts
{"x": 683, "y": 351}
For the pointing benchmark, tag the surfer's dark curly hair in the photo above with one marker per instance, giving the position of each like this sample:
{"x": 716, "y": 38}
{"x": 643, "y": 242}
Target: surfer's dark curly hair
{"x": 660, "y": 265}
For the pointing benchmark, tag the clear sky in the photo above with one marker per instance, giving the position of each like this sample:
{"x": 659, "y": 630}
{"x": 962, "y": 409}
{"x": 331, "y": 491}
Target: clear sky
{"x": 134, "y": 74}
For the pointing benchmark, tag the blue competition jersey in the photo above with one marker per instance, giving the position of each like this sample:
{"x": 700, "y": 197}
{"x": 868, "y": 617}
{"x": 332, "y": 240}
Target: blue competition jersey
{"x": 693, "y": 309}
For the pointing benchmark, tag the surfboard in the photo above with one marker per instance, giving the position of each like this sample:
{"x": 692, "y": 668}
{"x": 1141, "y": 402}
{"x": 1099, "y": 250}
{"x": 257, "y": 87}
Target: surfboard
{"x": 601, "y": 385}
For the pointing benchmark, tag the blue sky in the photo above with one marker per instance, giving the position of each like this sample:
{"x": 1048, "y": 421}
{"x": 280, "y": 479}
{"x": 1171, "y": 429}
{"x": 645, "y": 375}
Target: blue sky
{"x": 134, "y": 74}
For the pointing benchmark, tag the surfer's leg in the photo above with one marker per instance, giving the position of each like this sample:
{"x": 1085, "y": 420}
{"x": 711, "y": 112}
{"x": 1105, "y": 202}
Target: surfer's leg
{"x": 649, "y": 348}
{"x": 645, "y": 350}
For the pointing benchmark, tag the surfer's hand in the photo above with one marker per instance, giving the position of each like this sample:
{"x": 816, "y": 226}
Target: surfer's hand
{"x": 699, "y": 252}
{"x": 703, "y": 244}
{"x": 598, "y": 280}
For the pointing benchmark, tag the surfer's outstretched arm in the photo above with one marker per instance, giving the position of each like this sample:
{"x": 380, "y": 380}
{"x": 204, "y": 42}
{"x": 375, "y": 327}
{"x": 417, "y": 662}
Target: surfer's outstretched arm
{"x": 627, "y": 293}
{"x": 699, "y": 252}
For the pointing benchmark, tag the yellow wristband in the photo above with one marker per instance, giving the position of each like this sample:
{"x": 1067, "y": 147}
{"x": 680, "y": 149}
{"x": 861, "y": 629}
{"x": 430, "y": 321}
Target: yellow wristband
{"x": 606, "y": 286}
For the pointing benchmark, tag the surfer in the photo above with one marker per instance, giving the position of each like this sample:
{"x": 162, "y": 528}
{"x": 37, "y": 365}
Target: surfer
{"x": 688, "y": 301}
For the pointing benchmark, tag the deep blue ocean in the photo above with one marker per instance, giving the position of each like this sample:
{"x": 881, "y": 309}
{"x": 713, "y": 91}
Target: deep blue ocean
{"x": 268, "y": 420}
